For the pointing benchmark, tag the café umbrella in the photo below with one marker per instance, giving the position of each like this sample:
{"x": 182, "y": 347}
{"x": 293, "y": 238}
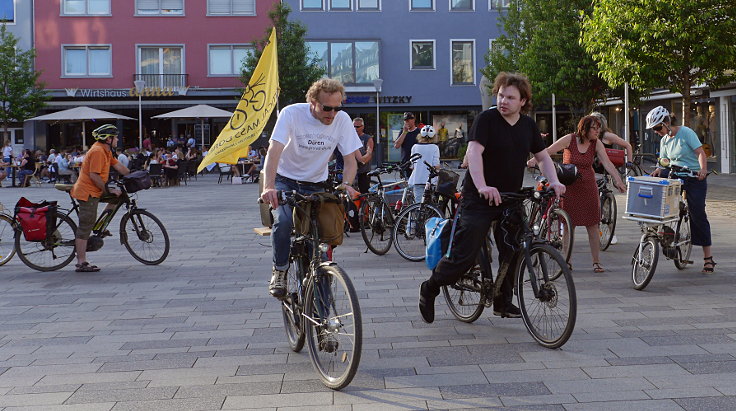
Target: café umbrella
{"x": 200, "y": 111}
{"x": 82, "y": 113}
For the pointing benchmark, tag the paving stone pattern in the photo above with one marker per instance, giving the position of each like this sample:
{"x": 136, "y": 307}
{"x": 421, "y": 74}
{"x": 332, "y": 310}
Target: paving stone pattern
{"x": 199, "y": 331}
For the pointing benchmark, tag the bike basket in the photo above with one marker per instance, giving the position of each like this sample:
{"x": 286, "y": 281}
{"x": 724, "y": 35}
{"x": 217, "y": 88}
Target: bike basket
{"x": 137, "y": 181}
{"x": 36, "y": 219}
{"x": 447, "y": 182}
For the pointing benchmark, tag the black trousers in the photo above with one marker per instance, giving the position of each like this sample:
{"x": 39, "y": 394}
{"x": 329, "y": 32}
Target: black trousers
{"x": 364, "y": 182}
{"x": 473, "y": 225}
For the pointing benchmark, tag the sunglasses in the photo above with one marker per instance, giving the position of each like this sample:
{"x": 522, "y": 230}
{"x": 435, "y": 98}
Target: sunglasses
{"x": 330, "y": 108}
{"x": 657, "y": 128}
{"x": 358, "y": 126}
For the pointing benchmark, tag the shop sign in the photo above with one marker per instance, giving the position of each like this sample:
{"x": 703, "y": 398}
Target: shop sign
{"x": 381, "y": 100}
{"x": 131, "y": 92}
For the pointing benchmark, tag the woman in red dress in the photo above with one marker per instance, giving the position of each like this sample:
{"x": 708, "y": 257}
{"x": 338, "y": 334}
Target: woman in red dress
{"x": 581, "y": 198}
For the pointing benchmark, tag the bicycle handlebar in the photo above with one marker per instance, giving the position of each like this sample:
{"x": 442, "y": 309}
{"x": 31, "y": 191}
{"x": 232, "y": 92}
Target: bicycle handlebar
{"x": 292, "y": 197}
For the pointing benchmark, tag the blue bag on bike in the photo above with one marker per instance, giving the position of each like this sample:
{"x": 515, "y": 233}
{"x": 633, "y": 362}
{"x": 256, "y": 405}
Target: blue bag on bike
{"x": 439, "y": 233}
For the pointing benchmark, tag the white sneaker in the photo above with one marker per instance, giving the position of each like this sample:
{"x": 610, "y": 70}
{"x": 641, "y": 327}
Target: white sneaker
{"x": 614, "y": 240}
{"x": 277, "y": 287}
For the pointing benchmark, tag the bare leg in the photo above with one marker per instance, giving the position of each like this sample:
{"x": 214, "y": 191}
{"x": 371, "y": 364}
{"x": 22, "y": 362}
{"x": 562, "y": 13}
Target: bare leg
{"x": 706, "y": 251}
{"x": 594, "y": 240}
{"x": 81, "y": 248}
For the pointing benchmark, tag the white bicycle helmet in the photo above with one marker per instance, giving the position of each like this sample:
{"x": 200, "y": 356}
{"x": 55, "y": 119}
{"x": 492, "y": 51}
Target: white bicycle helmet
{"x": 658, "y": 115}
{"x": 427, "y": 131}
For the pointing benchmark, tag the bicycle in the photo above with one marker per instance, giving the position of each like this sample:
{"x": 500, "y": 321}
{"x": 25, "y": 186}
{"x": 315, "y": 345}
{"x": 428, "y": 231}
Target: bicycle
{"x": 672, "y": 234}
{"x": 140, "y": 233}
{"x": 321, "y": 305}
{"x": 548, "y": 302}
{"x": 409, "y": 234}
{"x": 609, "y": 212}
{"x": 549, "y": 221}
{"x": 375, "y": 215}
{"x": 7, "y": 236}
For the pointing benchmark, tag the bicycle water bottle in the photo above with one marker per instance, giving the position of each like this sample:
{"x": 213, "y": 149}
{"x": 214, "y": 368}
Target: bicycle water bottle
{"x": 398, "y": 205}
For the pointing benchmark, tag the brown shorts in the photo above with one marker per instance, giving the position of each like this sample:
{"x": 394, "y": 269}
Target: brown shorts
{"x": 87, "y": 217}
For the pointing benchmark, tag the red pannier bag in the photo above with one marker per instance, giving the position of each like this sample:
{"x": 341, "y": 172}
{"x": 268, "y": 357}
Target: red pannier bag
{"x": 36, "y": 219}
{"x": 617, "y": 157}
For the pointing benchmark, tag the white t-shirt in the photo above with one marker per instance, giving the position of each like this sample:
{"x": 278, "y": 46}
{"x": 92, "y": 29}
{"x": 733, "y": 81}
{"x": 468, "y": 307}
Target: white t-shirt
{"x": 7, "y": 151}
{"x": 431, "y": 154}
{"x": 309, "y": 143}
{"x": 123, "y": 159}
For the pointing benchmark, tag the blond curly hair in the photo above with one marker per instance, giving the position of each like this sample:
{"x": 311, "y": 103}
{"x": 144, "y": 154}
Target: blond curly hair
{"x": 327, "y": 85}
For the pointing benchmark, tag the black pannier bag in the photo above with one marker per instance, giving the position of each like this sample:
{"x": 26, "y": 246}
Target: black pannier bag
{"x": 137, "y": 181}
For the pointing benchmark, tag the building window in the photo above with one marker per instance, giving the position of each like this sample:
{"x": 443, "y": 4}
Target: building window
{"x": 161, "y": 66}
{"x": 341, "y": 5}
{"x": 231, "y": 7}
{"x": 462, "y": 5}
{"x": 463, "y": 62}
{"x": 312, "y": 5}
{"x": 158, "y": 7}
{"x": 498, "y": 4}
{"x": 352, "y": 62}
{"x": 422, "y": 54}
{"x": 227, "y": 60}
{"x": 7, "y": 11}
{"x": 369, "y": 5}
{"x": 85, "y": 7}
{"x": 421, "y": 4}
{"x": 87, "y": 61}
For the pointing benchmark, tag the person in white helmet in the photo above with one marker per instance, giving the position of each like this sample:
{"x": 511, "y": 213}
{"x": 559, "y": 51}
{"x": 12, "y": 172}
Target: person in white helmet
{"x": 430, "y": 153}
{"x": 682, "y": 147}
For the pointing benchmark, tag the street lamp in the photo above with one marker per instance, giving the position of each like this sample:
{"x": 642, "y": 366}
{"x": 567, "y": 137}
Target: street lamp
{"x": 377, "y": 83}
{"x": 139, "y": 86}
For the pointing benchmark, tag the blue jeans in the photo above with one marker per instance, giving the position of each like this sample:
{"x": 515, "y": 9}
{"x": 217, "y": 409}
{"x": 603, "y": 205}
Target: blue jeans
{"x": 695, "y": 192}
{"x": 418, "y": 192}
{"x": 8, "y": 170}
{"x": 283, "y": 221}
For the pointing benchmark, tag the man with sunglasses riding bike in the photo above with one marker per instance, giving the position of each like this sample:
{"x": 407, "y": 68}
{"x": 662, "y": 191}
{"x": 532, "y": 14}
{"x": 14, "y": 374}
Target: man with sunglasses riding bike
{"x": 92, "y": 185}
{"x": 303, "y": 139}
{"x": 683, "y": 148}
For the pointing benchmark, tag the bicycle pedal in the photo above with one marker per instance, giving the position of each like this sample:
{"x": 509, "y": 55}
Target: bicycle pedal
{"x": 688, "y": 261}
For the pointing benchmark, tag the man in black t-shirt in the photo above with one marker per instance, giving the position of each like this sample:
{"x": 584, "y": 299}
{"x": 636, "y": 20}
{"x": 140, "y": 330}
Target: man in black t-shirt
{"x": 408, "y": 136}
{"x": 499, "y": 144}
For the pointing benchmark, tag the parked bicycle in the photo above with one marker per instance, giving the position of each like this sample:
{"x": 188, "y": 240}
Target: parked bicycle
{"x": 142, "y": 234}
{"x": 7, "y": 236}
{"x": 672, "y": 235}
{"x": 543, "y": 281}
{"x": 321, "y": 305}
{"x": 548, "y": 220}
{"x": 376, "y": 215}
{"x": 609, "y": 212}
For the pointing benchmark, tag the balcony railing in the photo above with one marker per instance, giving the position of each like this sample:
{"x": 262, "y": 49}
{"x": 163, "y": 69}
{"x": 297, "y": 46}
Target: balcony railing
{"x": 163, "y": 80}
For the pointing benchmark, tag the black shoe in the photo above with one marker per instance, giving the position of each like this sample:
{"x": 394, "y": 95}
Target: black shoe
{"x": 510, "y": 311}
{"x": 426, "y": 303}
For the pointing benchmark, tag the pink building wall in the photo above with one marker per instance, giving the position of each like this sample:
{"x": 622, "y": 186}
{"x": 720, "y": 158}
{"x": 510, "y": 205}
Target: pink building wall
{"x": 124, "y": 31}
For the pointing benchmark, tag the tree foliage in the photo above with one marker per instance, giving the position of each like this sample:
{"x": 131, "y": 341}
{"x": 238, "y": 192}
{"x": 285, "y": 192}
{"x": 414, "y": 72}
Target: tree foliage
{"x": 541, "y": 40}
{"x": 663, "y": 43}
{"x": 21, "y": 94}
{"x": 297, "y": 70}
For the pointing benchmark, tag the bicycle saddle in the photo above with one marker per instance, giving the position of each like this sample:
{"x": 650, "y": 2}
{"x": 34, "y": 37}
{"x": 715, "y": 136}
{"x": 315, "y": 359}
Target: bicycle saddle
{"x": 64, "y": 187}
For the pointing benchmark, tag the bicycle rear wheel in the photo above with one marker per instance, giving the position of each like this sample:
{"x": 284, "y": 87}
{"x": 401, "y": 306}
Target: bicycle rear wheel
{"x": 333, "y": 326}
{"x": 644, "y": 264}
{"x": 7, "y": 238}
{"x": 683, "y": 241}
{"x": 550, "y": 314}
{"x": 53, "y": 253}
{"x": 465, "y": 298}
{"x": 607, "y": 226}
{"x": 144, "y": 236}
{"x": 409, "y": 236}
{"x": 291, "y": 305}
{"x": 376, "y": 223}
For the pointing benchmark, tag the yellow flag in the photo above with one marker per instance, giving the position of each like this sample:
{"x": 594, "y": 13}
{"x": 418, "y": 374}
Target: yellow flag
{"x": 250, "y": 117}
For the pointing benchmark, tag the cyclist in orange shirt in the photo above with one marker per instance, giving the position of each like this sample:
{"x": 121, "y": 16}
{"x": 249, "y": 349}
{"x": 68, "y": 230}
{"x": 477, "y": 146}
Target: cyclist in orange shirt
{"x": 91, "y": 185}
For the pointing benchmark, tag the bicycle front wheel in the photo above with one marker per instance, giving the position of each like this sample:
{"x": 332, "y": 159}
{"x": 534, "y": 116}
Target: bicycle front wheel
{"x": 683, "y": 242}
{"x": 144, "y": 236}
{"x": 376, "y": 223}
{"x": 53, "y": 253}
{"x": 465, "y": 298}
{"x": 557, "y": 229}
{"x": 409, "y": 235}
{"x": 607, "y": 225}
{"x": 292, "y": 304}
{"x": 333, "y": 326}
{"x": 7, "y": 238}
{"x": 644, "y": 262}
{"x": 548, "y": 306}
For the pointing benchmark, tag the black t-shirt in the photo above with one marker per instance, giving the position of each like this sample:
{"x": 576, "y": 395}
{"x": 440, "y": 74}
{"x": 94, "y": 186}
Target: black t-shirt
{"x": 409, "y": 141}
{"x": 506, "y": 150}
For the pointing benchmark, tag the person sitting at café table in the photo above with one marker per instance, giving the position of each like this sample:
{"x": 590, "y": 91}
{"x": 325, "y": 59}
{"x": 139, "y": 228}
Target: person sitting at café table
{"x": 27, "y": 166}
{"x": 63, "y": 163}
{"x": 3, "y": 173}
{"x": 171, "y": 169}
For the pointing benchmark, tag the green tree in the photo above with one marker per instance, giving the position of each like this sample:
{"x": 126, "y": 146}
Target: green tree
{"x": 21, "y": 94}
{"x": 541, "y": 40}
{"x": 297, "y": 69}
{"x": 663, "y": 43}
